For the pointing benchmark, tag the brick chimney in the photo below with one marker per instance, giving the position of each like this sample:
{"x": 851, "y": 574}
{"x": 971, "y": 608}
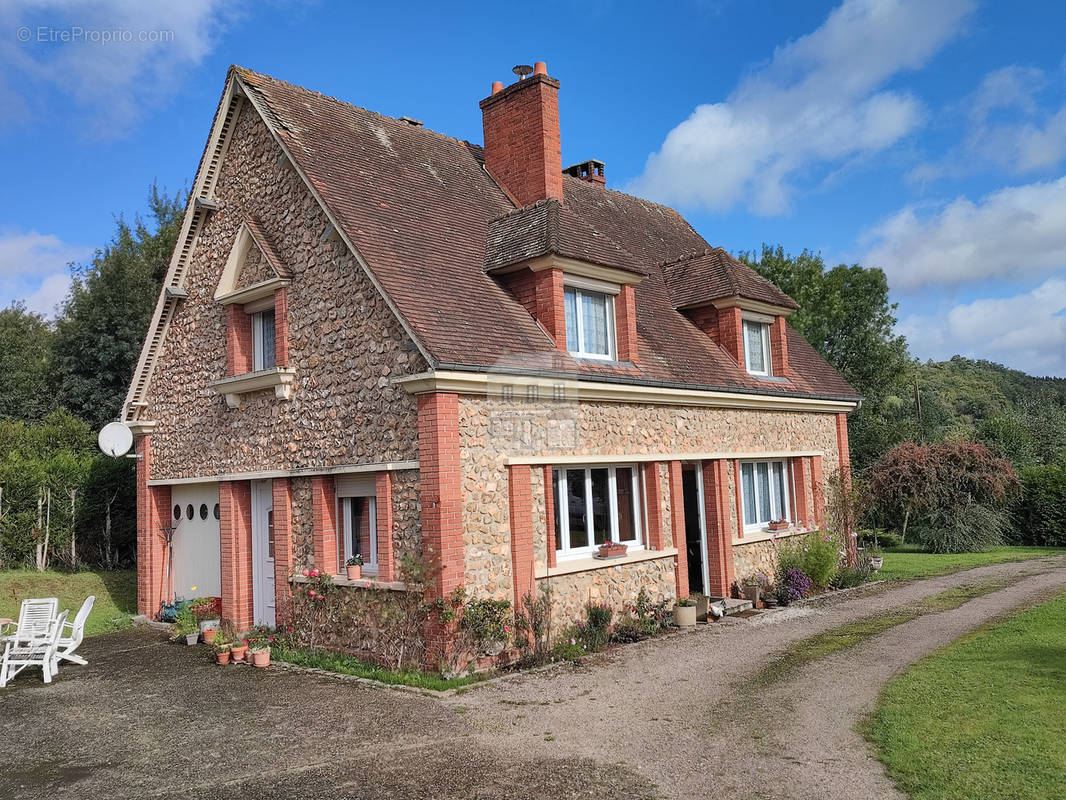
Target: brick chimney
{"x": 522, "y": 150}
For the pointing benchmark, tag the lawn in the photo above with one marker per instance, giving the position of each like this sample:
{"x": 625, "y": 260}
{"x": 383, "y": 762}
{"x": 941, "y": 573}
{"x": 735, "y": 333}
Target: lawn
{"x": 983, "y": 717}
{"x": 116, "y": 594}
{"x": 908, "y": 561}
{"x": 349, "y": 665}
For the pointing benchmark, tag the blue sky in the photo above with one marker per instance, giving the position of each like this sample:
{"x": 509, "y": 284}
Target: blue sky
{"x": 927, "y": 138}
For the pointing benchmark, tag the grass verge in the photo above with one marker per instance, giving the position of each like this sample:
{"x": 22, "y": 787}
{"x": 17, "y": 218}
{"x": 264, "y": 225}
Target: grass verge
{"x": 116, "y": 594}
{"x": 982, "y": 717}
{"x": 801, "y": 653}
{"x": 909, "y": 561}
{"x": 349, "y": 665}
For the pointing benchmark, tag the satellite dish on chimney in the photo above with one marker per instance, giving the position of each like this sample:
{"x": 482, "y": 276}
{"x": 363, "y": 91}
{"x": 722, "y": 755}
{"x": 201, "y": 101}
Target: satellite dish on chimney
{"x": 115, "y": 439}
{"x": 522, "y": 70}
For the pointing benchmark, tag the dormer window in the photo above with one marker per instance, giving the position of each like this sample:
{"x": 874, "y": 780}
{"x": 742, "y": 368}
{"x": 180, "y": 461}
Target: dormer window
{"x": 590, "y": 323}
{"x": 757, "y": 347}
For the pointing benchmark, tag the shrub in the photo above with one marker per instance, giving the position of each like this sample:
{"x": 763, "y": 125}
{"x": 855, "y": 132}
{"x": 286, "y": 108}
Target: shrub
{"x": 971, "y": 529}
{"x": 821, "y": 558}
{"x": 641, "y": 620}
{"x": 884, "y": 539}
{"x": 1040, "y": 514}
{"x": 793, "y": 585}
{"x": 569, "y": 646}
{"x": 850, "y": 577}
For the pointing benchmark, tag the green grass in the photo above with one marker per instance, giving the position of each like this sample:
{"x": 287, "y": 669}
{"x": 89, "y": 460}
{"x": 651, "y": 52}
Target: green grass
{"x": 983, "y": 717}
{"x": 801, "y": 653}
{"x": 116, "y": 594}
{"x": 909, "y": 562}
{"x": 349, "y": 665}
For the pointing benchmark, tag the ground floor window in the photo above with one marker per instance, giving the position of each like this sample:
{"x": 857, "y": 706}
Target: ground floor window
{"x": 764, "y": 490}
{"x": 360, "y": 531}
{"x": 594, "y": 505}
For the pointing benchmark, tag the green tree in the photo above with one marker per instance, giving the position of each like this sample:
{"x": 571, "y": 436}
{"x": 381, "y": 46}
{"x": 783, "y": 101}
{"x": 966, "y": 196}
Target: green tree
{"x": 99, "y": 336}
{"x": 846, "y": 315}
{"x": 25, "y": 350}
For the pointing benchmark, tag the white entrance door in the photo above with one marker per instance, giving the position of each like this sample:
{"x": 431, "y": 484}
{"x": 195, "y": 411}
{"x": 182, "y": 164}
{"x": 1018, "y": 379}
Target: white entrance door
{"x": 197, "y": 567}
{"x": 263, "y": 553}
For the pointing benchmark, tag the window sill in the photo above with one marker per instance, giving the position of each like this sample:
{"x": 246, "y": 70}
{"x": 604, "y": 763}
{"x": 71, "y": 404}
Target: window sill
{"x": 586, "y": 564}
{"x": 362, "y": 583}
{"x": 280, "y": 379}
{"x": 765, "y": 534}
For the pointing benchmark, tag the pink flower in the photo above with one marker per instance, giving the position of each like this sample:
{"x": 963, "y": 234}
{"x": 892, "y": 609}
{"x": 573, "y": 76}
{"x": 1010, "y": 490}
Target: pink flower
{"x": 312, "y": 593}
{"x": 314, "y": 573}
{"x": 305, "y": 573}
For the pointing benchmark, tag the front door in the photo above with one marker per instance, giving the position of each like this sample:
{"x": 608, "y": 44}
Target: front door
{"x": 695, "y": 529}
{"x": 263, "y": 553}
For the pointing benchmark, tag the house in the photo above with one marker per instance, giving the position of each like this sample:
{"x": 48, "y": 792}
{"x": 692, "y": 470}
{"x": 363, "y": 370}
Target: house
{"x": 375, "y": 339}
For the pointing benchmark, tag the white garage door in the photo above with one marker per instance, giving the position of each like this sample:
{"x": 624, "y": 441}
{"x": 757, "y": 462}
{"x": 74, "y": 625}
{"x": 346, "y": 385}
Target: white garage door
{"x": 197, "y": 543}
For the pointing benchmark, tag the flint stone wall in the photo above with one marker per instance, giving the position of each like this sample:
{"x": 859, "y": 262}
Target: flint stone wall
{"x": 616, "y": 586}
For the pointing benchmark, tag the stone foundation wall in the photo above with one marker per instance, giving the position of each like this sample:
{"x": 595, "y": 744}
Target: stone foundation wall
{"x": 751, "y": 559}
{"x": 343, "y": 341}
{"x": 617, "y": 586}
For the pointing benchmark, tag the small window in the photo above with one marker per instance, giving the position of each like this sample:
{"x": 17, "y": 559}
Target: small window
{"x": 190, "y": 512}
{"x": 764, "y": 492}
{"x": 177, "y": 512}
{"x": 589, "y": 323}
{"x": 757, "y": 347}
{"x": 263, "y": 354}
{"x": 203, "y": 511}
{"x": 218, "y": 512}
{"x": 360, "y": 525}
{"x": 595, "y": 505}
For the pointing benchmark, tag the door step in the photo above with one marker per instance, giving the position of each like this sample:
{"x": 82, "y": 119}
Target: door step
{"x": 732, "y": 605}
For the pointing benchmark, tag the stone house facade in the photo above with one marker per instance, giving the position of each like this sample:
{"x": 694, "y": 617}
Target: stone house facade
{"x": 377, "y": 340}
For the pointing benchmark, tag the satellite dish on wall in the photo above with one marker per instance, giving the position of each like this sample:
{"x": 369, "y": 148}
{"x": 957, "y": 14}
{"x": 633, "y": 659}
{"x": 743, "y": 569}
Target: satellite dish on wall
{"x": 115, "y": 439}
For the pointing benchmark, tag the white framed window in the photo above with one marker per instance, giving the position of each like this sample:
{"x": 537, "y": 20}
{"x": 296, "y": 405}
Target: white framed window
{"x": 764, "y": 492}
{"x": 359, "y": 516}
{"x": 757, "y": 347}
{"x": 594, "y": 505}
{"x": 589, "y": 321}
{"x": 263, "y": 352}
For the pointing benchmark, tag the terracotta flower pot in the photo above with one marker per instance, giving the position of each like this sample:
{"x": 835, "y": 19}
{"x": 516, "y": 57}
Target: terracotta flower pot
{"x": 354, "y": 572}
{"x": 260, "y": 658}
{"x": 209, "y": 634}
{"x": 612, "y": 550}
{"x": 779, "y": 526}
{"x": 238, "y": 653}
{"x": 222, "y": 657}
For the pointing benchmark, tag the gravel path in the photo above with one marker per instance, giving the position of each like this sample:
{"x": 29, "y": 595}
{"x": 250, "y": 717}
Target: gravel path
{"x": 668, "y": 717}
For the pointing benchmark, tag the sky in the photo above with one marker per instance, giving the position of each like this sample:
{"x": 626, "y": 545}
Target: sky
{"x": 924, "y": 138}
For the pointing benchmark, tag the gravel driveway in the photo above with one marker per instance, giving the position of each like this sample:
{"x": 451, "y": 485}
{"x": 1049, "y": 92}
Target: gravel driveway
{"x": 664, "y": 718}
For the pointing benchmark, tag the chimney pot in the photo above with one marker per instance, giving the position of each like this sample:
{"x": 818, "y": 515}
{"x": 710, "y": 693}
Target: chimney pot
{"x": 497, "y": 87}
{"x": 540, "y": 68}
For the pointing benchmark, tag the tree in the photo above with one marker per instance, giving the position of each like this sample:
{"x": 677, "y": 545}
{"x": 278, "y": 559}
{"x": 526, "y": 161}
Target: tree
{"x": 99, "y": 336}
{"x": 846, "y": 316}
{"x": 25, "y": 345}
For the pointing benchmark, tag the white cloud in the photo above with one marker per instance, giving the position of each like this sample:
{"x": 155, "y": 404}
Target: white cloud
{"x": 1015, "y": 232}
{"x": 34, "y": 268}
{"x": 818, "y": 102}
{"x": 122, "y": 56}
{"x": 1026, "y": 331}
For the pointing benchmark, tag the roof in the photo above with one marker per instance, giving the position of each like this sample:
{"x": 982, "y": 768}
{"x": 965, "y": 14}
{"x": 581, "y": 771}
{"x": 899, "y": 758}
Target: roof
{"x": 427, "y": 219}
{"x": 698, "y": 278}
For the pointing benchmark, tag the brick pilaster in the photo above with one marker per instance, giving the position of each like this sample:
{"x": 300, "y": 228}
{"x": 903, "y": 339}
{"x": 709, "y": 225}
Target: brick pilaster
{"x": 625, "y": 311}
{"x": 677, "y": 523}
{"x": 551, "y": 305}
{"x": 801, "y": 482}
{"x": 844, "y": 455}
{"x": 549, "y": 516}
{"x": 153, "y": 514}
{"x": 779, "y": 347}
{"x": 653, "y": 496}
{"x": 281, "y": 489}
{"x": 731, "y": 333}
{"x": 387, "y": 568}
{"x": 238, "y": 341}
{"x": 739, "y": 499}
{"x": 520, "y": 498}
{"x": 281, "y": 327}
{"x": 719, "y": 531}
{"x": 818, "y": 490}
{"x": 235, "y": 529}
{"x": 324, "y": 524}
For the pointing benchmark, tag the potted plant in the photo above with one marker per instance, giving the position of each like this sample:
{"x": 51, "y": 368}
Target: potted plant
{"x": 208, "y": 612}
{"x": 259, "y": 640}
{"x": 185, "y": 626}
{"x": 612, "y": 550}
{"x": 685, "y": 612}
{"x": 353, "y": 567}
{"x": 222, "y": 649}
{"x": 750, "y": 588}
{"x": 209, "y": 634}
{"x": 703, "y": 605}
{"x": 238, "y": 650}
{"x": 778, "y": 524}
{"x": 877, "y": 558}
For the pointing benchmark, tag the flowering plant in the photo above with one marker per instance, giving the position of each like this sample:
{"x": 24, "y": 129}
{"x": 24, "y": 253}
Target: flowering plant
{"x": 259, "y": 639}
{"x": 354, "y": 561}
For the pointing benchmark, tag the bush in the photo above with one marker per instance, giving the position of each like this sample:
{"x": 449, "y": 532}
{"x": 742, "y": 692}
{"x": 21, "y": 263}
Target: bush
{"x": 850, "y": 577}
{"x": 884, "y": 539}
{"x": 1039, "y": 517}
{"x": 642, "y": 620}
{"x": 971, "y": 529}
{"x": 792, "y": 585}
{"x": 821, "y": 558}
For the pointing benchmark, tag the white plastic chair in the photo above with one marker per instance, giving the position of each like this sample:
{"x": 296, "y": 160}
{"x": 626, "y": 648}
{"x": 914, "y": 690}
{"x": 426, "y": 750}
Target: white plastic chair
{"x": 68, "y": 642}
{"x": 35, "y": 618}
{"x": 37, "y": 651}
